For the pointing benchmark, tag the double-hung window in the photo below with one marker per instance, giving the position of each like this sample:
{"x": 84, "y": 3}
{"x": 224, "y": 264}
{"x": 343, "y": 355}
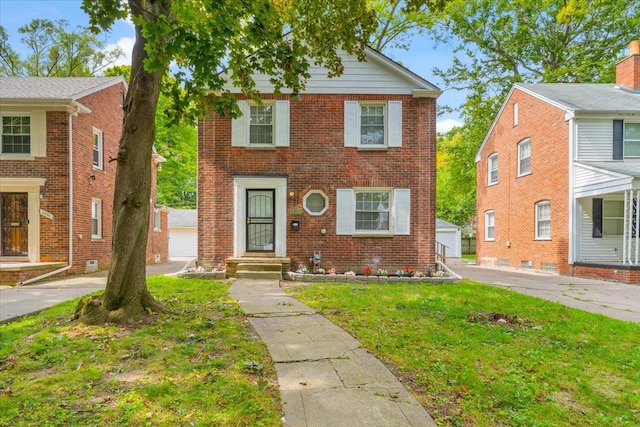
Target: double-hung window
{"x": 373, "y": 124}
{"x": 631, "y": 139}
{"x": 157, "y": 220}
{"x": 492, "y": 167}
{"x": 96, "y": 219}
{"x": 97, "y": 149}
{"x": 524, "y": 157}
{"x": 372, "y": 118}
{"x": 261, "y": 124}
{"x": 489, "y": 225}
{"x": 372, "y": 212}
{"x": 16, "y": 134}
{"x": 543, "y": 220}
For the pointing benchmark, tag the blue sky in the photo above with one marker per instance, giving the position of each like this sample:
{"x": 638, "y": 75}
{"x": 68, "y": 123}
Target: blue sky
{"x": 421, "y": 58}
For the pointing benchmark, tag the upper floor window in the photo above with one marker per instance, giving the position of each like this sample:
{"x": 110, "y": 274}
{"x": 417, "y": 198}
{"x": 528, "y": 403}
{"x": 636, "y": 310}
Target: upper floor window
{"x": 489, "y": 225}
{"x": 515, "y": 114}
{"x": 524, "y": 157}
{"x": 492, "y": 166}
{"x": 97, "y": 149}
{"x": 543, "y": 220}
{"x": 371, "y": 125}
{"x": 96, "y": 218}
{"x": 16, "y": 134}
{"x": 261, "y": 124}
{"x": 631, "y": 139}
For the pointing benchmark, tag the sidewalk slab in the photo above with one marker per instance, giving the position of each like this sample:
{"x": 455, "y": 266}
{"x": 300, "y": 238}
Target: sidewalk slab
{"x": 326, "y": 378}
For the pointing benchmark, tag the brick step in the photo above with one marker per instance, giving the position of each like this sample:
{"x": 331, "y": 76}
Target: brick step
{"x": 259, "y": 275}
{"x": 245, "y": 266}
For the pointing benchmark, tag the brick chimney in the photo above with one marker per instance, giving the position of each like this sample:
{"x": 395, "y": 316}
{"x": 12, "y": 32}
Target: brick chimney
{"x": 628, "y": 70}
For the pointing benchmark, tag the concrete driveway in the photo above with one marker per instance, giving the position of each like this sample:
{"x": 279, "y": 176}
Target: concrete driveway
{"x": 21, "y": 300}
{"x": 616, "y": 300}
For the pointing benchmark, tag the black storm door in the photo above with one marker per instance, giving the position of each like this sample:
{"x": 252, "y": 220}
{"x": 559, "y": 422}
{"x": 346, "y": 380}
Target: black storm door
{"x": 260, "y": 220}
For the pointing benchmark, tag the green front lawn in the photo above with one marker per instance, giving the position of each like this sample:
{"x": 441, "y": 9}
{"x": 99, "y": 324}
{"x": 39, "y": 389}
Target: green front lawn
{"x": 200, "y": 366}
{"x": 480, "y": 356}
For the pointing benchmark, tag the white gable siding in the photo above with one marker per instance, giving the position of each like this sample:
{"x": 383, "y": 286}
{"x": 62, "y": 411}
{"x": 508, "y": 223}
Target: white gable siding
{"x": 358, "y": 78}
{"x": 595, "y": 140}
{"x": 605, "y": 249}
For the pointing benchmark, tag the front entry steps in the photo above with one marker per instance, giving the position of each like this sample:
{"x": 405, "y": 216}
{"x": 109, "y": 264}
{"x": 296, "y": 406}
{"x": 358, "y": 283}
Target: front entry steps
{"x": 265, "y": 268}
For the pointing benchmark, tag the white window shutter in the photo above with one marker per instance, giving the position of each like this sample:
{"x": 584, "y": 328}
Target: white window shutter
{"x": 345, "y": 211}
{"x": 394, "y": 123}
{"x": 351, "y": 127}
{"x": 282, "y": 124}
{"x": 39, "y": 133}
{"x": 401, "y": 211}
{"x": 240, "y": 127}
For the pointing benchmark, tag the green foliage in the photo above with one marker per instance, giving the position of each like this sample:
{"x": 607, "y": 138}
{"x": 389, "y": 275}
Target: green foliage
{"x": 498, "y": 43}
{"x": 55, "y": 51}
{"x": 213, "y": 43}
{"x": 177, "y": 142}
{"x": 187, "y": 368}
{"x": 544, "y": 364}
{"x": 397, "y": 24}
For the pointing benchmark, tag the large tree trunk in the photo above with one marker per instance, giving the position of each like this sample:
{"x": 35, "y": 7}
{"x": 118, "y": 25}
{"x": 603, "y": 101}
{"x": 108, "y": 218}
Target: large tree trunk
{"x": 126, "y": 297}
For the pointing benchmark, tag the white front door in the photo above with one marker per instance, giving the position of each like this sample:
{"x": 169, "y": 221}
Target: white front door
{"x": 260, "y": 215}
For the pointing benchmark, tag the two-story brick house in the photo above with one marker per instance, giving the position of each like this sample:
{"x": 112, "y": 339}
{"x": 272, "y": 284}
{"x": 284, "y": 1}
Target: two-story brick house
{"x": 56, "y": 177}
{"x": 558, "y": 178}
{"x": 346, "y": 171}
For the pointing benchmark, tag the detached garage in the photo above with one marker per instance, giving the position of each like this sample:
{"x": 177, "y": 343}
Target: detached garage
{"x": 183, "y": 233}
{"x": 449, "y": 235}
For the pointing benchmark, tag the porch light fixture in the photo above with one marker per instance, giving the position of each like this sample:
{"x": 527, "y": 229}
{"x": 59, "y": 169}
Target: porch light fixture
{"x": 291, "y": 196}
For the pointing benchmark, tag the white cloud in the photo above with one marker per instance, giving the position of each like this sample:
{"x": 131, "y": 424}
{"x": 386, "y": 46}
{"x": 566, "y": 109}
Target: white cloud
{"x": 126, "y": 44}
{"x": 444, "y": 126}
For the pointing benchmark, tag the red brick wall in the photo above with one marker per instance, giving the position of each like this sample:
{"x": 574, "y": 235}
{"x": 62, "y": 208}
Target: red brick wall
{"x": 317, "y": 160}
{"x": 513, "y": 198}
{"x": 157, "y": 240}
{"x": 628, "y": 72}
{"x": 54, "y": 168}
{"x": 106, "y": 116}
{"x": 624, "y": 274}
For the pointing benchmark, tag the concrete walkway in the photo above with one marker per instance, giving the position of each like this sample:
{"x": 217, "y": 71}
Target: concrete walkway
{"x": 616, "y": 300}
{"x": 326, "y": 378}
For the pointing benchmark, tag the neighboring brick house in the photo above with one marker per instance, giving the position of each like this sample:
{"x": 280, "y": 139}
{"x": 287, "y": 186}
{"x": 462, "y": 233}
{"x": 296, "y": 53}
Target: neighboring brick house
{"x": 347, "y": 170}
{"x": 559, "y": 177}
{"x": 56, "y": 177}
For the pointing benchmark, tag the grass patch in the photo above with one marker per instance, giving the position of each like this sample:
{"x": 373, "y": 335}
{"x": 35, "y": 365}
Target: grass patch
{"x": 188, "y": 368}
{"x": 471, "y": 257}
{"x": 476, "y": 355}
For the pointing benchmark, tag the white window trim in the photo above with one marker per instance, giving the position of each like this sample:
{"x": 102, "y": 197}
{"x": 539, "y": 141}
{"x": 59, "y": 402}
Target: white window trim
{"x": 489, "y": 169}
{"x": 537, "y": 221}
{"x": 392, "y": 124}
{"x": 390, "y": 222}
{"x": 326, "y": 202}
{"x": 624, "y": 140}
{"x": 488, "y": 213}
{"x": 240, "y": 126}
{"x": 399, "y": 214}
{"x": 515, "y": 114}
{"x": 521, "y": 143}
{"x": 97, "y": 204}
{"x": 157, "y": 225}
{"x": 19, "y": 156}
{"x": 100, "y": 135}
